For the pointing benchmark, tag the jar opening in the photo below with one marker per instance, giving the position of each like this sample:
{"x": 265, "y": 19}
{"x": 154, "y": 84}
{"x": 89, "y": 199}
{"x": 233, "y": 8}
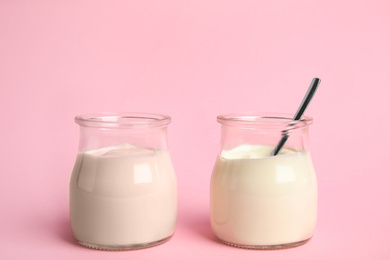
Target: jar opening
{"x": 123, "y": 120}
{"x": 263, "y": 120}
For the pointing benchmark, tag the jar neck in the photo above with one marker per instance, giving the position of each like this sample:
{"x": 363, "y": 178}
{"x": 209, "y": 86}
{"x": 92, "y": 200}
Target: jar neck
{"x": 265, "y": 129}
{"x": 234, "y": 136}
{"x": 94, "y": 138}
{"x": 112, "y": 129}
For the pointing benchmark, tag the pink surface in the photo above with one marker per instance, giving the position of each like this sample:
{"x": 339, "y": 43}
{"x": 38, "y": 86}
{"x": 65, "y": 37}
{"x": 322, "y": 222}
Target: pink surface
{"x": 194, "y": 60}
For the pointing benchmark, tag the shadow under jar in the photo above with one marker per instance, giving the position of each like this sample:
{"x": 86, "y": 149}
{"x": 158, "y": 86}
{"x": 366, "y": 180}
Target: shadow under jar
{"x": 123, "y": 192}
{"x": 259, "y": 201}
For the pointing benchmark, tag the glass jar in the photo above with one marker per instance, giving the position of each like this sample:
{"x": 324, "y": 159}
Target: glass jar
{"x": 123, "y": 191}
{"x": 258, "y": 200}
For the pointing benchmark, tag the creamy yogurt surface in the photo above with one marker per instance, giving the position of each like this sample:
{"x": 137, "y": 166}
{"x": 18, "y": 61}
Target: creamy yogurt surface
{"x": 123, "y": 195}
{"x": 258, "y": 199}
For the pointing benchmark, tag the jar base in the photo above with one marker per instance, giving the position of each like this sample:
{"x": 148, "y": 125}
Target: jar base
{"x": 267, "y": 247}
{"x": 124, "y": 247}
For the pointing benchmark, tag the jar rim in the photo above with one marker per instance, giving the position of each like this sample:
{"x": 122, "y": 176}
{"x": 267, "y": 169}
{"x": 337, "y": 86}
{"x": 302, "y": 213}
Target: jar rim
{"x": 123, "y": 120}
{"x": 263, "y": 120}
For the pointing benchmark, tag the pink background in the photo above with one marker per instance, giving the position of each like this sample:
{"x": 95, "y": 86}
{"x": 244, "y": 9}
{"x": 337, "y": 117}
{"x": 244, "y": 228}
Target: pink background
{"x": 194, "y": 60}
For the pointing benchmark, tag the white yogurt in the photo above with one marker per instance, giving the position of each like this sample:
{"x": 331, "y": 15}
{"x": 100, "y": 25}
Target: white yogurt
{"x": 123, "y": 195}
{"x": 261, "y": 200}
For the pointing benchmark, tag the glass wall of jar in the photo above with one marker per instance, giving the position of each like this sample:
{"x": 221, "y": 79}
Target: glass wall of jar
{"x": 123, "y": 191}
{"x": 258, "y": 200}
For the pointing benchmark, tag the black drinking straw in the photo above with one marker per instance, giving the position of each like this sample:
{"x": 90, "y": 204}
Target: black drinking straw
{"x": 305, "y": 102}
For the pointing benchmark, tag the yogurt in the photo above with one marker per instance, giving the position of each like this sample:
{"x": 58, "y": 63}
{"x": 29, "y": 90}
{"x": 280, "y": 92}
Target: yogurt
{"x": 258, "y": 200}
{"x": 123, "y": 196}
